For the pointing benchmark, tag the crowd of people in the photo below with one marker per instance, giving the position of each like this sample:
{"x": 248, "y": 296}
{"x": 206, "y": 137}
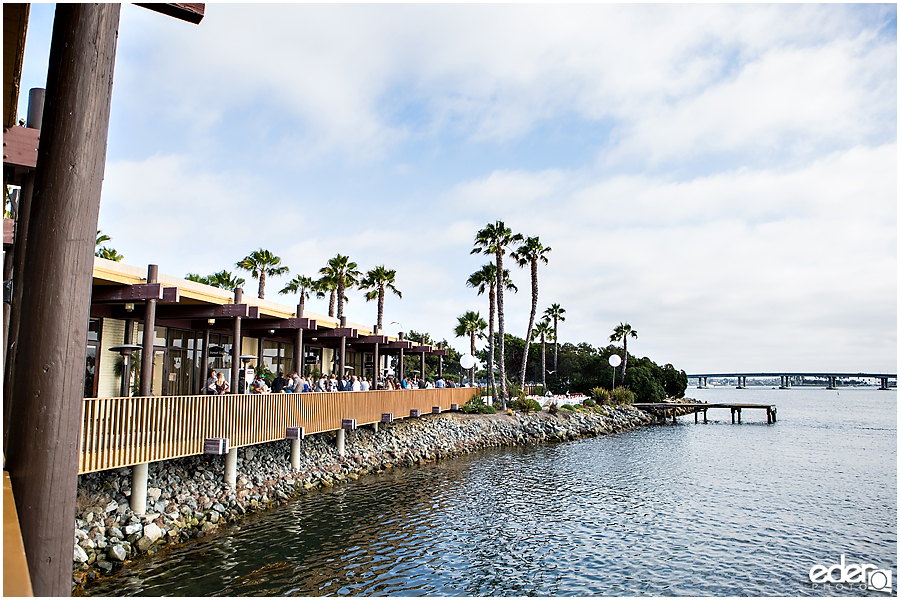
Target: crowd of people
{"x": 296, "y": 384}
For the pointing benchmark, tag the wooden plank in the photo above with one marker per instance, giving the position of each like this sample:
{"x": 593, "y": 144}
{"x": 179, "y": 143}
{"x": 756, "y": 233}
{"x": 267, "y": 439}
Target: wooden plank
{"x": 9, "y": 232}
{"x": 20, "y": 146}
{"x": 127, "y": 293}
{"x": 184, "y": 11}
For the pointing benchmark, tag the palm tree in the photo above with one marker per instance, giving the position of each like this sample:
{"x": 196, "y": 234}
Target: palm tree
{"x": 108, "y": 254}
{"x": 621, "y": 333}
{"x": 378, "y": 281}
{"x": 544, "y": 330}
{"x": 261, "y": 263}
{"x": 493, "y": 240}
{"x": 343, "y": 272}
{"x": 470, "y": 324}
{"x": 302, "y": 284}
{"x": 196, "y": 277}
{"x": 101, "y": 237}
{"x": 557, "y": 313}
{"x": 485, "y": 279}
{"x": 225, "y": 280}
{"x": 530, "y": 253}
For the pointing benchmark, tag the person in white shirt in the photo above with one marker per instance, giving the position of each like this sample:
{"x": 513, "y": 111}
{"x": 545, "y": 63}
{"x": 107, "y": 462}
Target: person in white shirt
{"x": 364, "y": 385}
{"x": 354, "y": 385}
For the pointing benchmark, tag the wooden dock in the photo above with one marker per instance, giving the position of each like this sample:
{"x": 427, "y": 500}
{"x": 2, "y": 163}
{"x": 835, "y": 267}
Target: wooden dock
{"x": 665, "y": 408}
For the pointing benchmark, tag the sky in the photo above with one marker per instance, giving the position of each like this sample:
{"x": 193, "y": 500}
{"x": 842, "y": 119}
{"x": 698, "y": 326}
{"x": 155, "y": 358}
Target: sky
{"x": 721, "y": 177}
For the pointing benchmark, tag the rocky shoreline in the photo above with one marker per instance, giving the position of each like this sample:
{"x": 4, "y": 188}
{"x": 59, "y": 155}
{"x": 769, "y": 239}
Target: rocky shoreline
{"x": 187, "y": 498}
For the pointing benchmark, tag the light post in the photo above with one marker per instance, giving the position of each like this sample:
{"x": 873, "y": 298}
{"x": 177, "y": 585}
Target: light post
{"x": 467, "y": 361}
{"x": 125, "y": 350}
{"x": 614, "y": 361}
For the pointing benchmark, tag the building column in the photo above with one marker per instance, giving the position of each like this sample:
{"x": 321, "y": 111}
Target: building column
{"x": 139, "y": 472}
{"x": 440, "y": 362}
{"x": 422, "y": 367}
{"x": 204, "y": 375}
{"x": 339, "y": 442}
{"x": 295, "y": 454}
{"x": 299, "y": 358}
{"x": 231, "y": 467}
{"x": 236, "y": 345}
{"x": 376, "y": 368}
{"x": 400, "y": 372}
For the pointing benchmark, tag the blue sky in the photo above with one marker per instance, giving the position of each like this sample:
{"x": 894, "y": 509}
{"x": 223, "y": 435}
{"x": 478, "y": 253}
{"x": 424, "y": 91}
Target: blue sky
{"x": 722, "y": 177}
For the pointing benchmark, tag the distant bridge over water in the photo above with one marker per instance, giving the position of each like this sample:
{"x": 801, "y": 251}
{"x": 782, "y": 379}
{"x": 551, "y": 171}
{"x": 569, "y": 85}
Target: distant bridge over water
{"x": 787, "y": 377}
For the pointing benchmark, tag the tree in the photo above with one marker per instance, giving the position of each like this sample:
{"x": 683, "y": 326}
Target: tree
{"x": 529, "y": 254}
{"x": 101, "y": 237}
{"x": 108, "y": 254}
{"x": 470, "y": 324}
{"x": 556, "y": 313}
{"x": 493, "y": 241}
{"x": 225, "y": 280}
{"x": 378, "y": 281}
{"x": 341, "y": 272}
{"x": 196, "y": 277}
{"x": 485, "y": 279}
{"x": 304, "y": 286}
{"x": 261, "y": 263}
{"x": 621, "y": 334}
{"x": 544, "y": 330}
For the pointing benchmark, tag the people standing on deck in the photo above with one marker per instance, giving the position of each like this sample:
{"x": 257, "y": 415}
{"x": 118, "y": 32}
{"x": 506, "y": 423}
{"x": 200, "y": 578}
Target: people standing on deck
{"x": 423, "y": 384}
{"x": 439, "y": 384}
{"x": 221, "y": 384}
{"x": 296, "y": 383}
{"x": 211, "y": 383}
{"x": 279, "y": 384}
{"x": 404, "y": 384}
{"x": 354, "y": 384}
{"x": 322, "y": 384}
{"x": 332, "y": 383}
{"x": 364, "y": 385}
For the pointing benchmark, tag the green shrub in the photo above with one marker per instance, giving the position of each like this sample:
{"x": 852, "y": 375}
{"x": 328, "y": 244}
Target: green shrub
{"x": 526, "y": 405}
{"x": 600, "y": 395}
{"x": 567, "y": 407}
{"x": 622, "y": 396}
{"x": 590, "y": 403}
{"x": 476, "y": 406}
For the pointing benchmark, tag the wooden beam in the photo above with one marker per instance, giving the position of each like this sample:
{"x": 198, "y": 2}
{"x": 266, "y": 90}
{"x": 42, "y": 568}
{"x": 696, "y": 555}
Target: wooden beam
{"x": 195, "y": 311}
{"x": 42, "y": 453}
{"x": 371, "y": 339}
{"x": 185, "y": 11}
{"x": 403, "y": 345}
{"x": 338, "y": 332}
{"x": 20, "y": 146}
{"x": 127, "y": 293}
{"x": 171, "y": 294}
{"x": 292, "y": 323}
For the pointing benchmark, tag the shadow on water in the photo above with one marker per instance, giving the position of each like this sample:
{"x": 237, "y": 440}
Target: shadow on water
{"x": 715, "y": 509}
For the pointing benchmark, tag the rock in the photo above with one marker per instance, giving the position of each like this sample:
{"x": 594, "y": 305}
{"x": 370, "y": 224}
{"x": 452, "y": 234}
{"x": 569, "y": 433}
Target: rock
{"x": 104, "y": 566}
{"x": 207, "y": 527}
{"x": 87, "y": 544}
{"x": 112, "y": 507}
{"x": 213, "y": 516}
{"x": 80, "y": 555}
{"x": 80, "y": 534}
{"x": 118, "y": 553}
{"x": 133, "y": 528}
{"x": 143, "y": 543}
{"x": 153, "y": 493}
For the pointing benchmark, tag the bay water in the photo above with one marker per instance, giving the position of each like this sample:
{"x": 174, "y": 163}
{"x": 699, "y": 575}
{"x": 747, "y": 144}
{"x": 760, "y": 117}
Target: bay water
{"x": 692, "y": 509}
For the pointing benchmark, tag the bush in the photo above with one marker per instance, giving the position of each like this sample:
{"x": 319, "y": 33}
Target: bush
{"x": 590, "y": 403}
{"x": 600, "y": 395}
{"x": 622, "y": 396}
{"x": 567, "y": 407}
{"x": 526, "y": 405}
{"x": 476, "y": 406}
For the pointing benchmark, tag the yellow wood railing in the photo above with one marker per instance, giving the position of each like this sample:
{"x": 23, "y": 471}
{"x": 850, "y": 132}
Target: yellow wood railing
{"x": 119, "y": 432}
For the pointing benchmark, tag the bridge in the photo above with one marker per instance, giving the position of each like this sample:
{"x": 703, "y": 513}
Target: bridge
{"x": 786, "y": 376}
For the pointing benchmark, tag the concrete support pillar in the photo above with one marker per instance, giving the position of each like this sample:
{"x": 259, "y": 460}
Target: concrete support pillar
{"x": 340, "y": 442}
{"x": 139, "y": 488}
{"x": 375, "y": 427}
{"x": 231, "y": 467}
{"x": 295, "y": 454}
{"x": 298, "y": 344}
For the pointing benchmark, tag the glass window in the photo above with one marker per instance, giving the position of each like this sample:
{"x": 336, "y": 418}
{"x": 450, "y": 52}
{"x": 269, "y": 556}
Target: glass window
{"x": 94, "y": 330}
{"x": 90, "y": 372}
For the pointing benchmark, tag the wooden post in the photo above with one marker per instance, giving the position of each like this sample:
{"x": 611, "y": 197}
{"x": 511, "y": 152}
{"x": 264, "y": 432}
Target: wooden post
{"x": 236, "y": 345}
{"x": 739, "y": 416}
{"x": 298, "y": 343}
{"x": 704, "y": 415}
{"x": 149, "y": 336}
{"x": 45, "y": 416}
{"x": 732, "y": 416}
{"x": 205, "y": 361}
{"x": 376, "y": 368}
{"x": 400, "y": 335}
{"x": 422, "y": 367}
{"x": 696, "y": 416}
{"x": 441, "y": 362}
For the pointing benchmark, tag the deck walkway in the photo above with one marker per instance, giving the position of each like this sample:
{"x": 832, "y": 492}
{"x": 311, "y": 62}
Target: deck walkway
{"x": 698, "y": 407}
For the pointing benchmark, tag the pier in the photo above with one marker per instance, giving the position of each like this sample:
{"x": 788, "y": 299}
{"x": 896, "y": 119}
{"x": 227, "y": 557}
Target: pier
{"x": 787, "y": 377}
{"x": 665, "y": 408}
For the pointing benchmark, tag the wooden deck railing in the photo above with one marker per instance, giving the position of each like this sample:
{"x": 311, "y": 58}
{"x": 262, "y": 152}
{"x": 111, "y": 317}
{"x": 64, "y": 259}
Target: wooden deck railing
{"x": 119, "y": 432}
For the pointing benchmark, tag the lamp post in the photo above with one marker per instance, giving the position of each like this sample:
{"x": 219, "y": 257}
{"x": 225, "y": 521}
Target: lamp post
{"x": 125, "y": 350}
{"x": 614, "y": 361}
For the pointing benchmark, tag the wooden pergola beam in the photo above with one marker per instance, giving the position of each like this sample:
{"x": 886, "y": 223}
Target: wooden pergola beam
{"x": 185, "y": 11}
{"x": 127, "y": 293}
{"x": 193, "y": 311}
{"x": 290, "y": 324}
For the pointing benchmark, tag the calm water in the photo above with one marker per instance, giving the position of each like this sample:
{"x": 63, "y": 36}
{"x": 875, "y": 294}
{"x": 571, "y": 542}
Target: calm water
{"x": 714, "y": 509}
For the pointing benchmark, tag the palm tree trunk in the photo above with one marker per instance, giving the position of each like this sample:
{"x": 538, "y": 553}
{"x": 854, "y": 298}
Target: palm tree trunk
{"x": 491, "y": 343}
{"x": 262, "y": 284}
{"x": 534, "y": 303}
{"x": 555, "y": 348}
{"x": 472, "y": 347}
{"x": 380, "y": 306}
{"x": 544, "y": 363}
{"x": 331, "y": 303}
{"x": 340, "y": 297}
{"x": 301, "y": 306}
{"x": 501, "y": 329}
{"x": 624, "y": 360}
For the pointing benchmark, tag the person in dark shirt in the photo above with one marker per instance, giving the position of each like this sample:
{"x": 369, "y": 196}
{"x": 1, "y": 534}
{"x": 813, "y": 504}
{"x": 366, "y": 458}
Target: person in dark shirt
{"x": 279, "y": 384}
